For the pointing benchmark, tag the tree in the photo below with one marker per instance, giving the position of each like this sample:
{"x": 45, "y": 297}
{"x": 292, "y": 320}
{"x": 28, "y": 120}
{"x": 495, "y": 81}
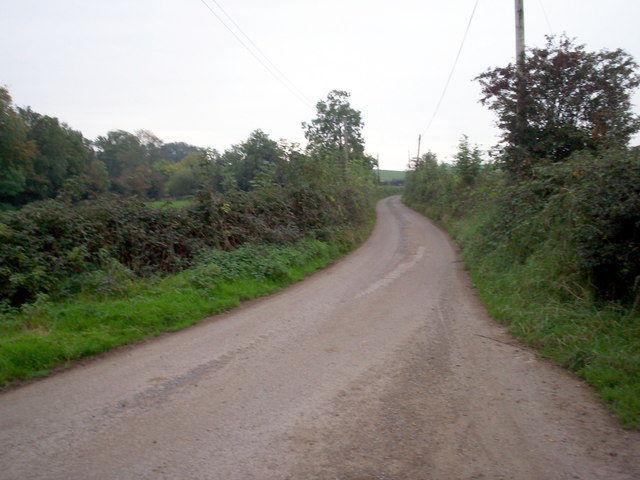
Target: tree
{"x": 120, "y": 151}
{"x": 188, "y": 176}
{"x": 17, "y": 151}
{"x": 176, "y": 151}
{"x": 97, "y": 177}
{"x": 431, "y": 184}
{"x": 61, "y": 153}
{"x": 152, "y": 146}
{"x": 336, "y": 132}
{"x": 467, "y": 162}
{"x": 257, "y": 156}
{"x": 260, "y": 156}
{"x": 573, "y": 100}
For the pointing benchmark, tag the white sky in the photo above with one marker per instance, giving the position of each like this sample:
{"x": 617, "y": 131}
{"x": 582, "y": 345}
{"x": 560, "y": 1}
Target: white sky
{"x": 169, "y": 66}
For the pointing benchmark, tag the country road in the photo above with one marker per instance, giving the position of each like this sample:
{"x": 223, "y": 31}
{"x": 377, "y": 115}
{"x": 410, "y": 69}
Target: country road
{"x": 382, "y": 366}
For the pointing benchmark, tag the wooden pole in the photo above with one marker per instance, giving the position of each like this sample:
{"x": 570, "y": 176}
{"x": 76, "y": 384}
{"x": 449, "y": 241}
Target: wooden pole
{"x": 520, "y": 32}
{"x": 521, "y": 120}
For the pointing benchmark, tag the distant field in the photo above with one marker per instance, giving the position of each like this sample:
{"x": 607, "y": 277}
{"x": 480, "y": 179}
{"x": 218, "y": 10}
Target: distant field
{"x": 391, "y": 175}
{"x": 170, "y": 203}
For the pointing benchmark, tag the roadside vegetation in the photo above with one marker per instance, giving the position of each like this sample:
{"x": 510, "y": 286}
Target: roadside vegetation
{"x": 86, "y": 269}
{"x": 550, "y": 230}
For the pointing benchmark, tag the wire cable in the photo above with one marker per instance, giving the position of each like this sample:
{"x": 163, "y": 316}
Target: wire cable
{"x": 455, "y": 63}
{"x": 265, "y": 63}
{"x": 259, "y": 50}
{"x": 544, "y": 12}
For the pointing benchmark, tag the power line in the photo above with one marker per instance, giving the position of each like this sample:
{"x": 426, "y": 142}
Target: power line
{"x": 266, "y": 62}
{"x": 546, "y": 18}
{"x": 455, "y": 63}
{"x": 259, "y": 50}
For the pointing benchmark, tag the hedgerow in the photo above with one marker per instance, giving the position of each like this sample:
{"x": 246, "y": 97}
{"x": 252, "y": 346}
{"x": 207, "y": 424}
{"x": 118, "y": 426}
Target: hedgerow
{"x": 51, "y": 247}
{"x": 556, "y": 256}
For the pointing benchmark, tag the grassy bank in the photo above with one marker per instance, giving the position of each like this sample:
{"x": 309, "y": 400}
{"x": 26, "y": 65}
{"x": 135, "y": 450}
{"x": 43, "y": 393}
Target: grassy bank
{"x": 546, "y": 306}
{"x": 116, "y": 308}
{"x": 389, "y": 176}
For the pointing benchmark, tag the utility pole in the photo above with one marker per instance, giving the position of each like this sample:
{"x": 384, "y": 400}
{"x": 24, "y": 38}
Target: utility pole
{"x": 378, "y": 166}
{"x": 418, "y": 155}
{"x": 520, "y": 32}
{"x": 521, "y": 117}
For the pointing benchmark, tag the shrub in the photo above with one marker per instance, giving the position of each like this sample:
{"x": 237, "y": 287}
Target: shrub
{"x": 57, "y": 247}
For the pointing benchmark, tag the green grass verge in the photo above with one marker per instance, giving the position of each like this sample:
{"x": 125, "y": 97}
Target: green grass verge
{"x": 599, "y": 342}
{"x": 117, "y": 309}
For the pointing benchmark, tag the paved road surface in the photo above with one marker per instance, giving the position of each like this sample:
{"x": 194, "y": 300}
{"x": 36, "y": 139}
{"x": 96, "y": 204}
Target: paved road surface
{"x": 383, "y": 366}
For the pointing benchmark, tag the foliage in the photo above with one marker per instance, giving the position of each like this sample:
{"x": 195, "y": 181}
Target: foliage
{"x": 186, "y": 176}
{"x": 47, "y": 247}
{"x": 468, "y": 162}
{"x": 431, "y": 183}
{"x": 335, "y": 135}
{"x": 556, "y": 257}
{"x": 258, "y": 190}
{"x": 88, "y": 270}
{"x": 603, "y": 196}
{"x": 572, "y": 100}
{"x": 174, "y": 152}
{"x": 122, "y": 153}
{"x": 43, "y": 158}
{"x": 114, "y": 307}
{"x": 260, "y": 156}
{"x": 61, "y": 154}
{"x": 17, "y": 151}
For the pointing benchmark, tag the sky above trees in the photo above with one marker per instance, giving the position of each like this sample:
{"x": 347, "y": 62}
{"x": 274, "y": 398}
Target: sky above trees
{"x": 172, "y": 68}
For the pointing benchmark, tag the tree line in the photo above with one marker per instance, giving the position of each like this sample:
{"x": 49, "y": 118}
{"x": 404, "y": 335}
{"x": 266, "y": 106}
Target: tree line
{"x": 41, "y": 157}
{"x": 93, "y": 212}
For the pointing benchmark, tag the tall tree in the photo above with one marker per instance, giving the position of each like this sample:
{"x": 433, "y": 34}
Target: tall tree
{"x": 176, "y": 151}
{"x": 336, "y": 132}
{"x": 61, "y": 153}
{"x": 573, "y": 100}
{"x": 190, "y": 175}
{"x": 467, "y": 161}
{"x": 260, "y": 155}
{"x": 151, "y": 144}
{"x": 120, "y": 151}
{"x": 17, "y": 151}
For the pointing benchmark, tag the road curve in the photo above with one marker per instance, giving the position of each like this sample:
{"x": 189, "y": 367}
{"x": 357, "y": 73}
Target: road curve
{"x": 382, "y": 366}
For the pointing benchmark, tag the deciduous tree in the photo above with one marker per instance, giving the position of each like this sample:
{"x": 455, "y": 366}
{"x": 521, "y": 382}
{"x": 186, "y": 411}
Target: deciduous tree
{"x": 120, "y": 151}
{"x": 61, "y": 153}
{"x": 17, "y": 151}
{"x": 573, "y": 100}
{"x": 336, "y": 132}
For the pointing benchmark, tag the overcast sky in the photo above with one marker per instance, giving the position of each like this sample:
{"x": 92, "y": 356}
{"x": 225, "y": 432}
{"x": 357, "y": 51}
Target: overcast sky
{"x": 171, "y": 67}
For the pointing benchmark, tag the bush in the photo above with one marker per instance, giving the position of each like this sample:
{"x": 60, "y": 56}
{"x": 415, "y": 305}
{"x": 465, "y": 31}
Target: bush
{"x": 57, "y": 247}
{"x": 592, "y": 202}
{"x": 604, "y": 194}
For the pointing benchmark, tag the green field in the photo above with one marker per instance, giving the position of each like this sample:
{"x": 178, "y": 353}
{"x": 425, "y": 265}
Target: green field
{"x": 168, "y": 203}
{"x": 392, "y": 175}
